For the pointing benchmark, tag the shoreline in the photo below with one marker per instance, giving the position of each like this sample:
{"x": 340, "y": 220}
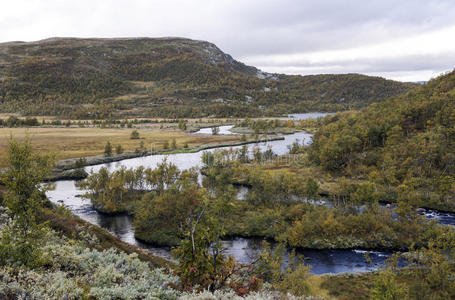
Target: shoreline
{"x": 72, "y": 225}
{"x": 279, "y": 130}
{"x": 230, "y": 237}
{"x": 62, "y": 167}
{"x": 195, "y": 129}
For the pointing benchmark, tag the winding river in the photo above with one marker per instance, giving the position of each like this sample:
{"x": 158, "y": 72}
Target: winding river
{"x": 321, "y": 261}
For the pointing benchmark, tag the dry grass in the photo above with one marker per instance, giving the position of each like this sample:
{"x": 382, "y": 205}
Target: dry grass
{"x": 328, "y": 183}
{"x": 316, "y": 290}
{"x": 78, "y": 142}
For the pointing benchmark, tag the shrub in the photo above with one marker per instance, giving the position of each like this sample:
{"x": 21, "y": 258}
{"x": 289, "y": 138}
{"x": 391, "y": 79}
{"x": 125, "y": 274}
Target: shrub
{"x": 80, "y": 163}
{"x": 108, "y": 149}
{"x": 119, "y": 149}
{"x": 73, "y": 271}
{"x": 134, "y": 135}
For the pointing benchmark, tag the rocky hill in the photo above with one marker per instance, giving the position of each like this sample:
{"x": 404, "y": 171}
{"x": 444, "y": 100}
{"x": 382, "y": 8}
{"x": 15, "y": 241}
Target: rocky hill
{"x": 167, "y": 77}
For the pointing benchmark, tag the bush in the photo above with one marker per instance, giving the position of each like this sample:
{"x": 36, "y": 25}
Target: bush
{"x": 80, "y": 163}
{"x": 31, "y": 122}
{"x": 134, "y": 135}
{"x": 108, "y": 149}
{"x": 119, "y": 149}
{"x": 73, "y": 271}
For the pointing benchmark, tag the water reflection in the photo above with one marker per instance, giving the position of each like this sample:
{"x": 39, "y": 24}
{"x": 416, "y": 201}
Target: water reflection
{"x": 188, "y": 160}
{"x": 306, "y": 116}
{"x": 321, "y": 261}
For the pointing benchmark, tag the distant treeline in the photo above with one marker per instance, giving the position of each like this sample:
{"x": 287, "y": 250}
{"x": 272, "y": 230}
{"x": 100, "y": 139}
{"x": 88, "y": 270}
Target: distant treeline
{"x": 13, "y": 121}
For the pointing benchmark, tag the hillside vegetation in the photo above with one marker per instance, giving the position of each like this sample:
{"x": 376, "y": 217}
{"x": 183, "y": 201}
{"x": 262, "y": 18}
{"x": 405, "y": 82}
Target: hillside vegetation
{"x": 404, "y": 145}
{"x": 171, "y": 77}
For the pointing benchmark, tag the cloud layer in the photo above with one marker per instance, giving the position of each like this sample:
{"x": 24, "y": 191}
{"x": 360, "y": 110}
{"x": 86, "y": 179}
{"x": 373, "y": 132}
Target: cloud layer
{"x": 404, "y": 40}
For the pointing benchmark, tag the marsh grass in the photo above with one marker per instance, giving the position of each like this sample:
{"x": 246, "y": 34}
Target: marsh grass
{"x": 81, "y": 142}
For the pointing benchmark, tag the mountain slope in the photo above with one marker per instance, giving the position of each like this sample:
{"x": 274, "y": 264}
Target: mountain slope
{"x": 172, "y": 77}
{"x": 406, "y": 144}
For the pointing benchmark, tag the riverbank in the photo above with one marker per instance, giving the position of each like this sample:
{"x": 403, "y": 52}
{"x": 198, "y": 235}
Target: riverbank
{"x": 340, "y": 260}
{"x": 71, "y": 142}
{"x": 75, "y": 227}
{"x": 95, "y": 242}
{"x": 192, "y": 128}
{"x": 278, "y": 130}
{"x": 333, "y": 185}
{"x": 305, "y": 227}
{"x": 76, "y": 163}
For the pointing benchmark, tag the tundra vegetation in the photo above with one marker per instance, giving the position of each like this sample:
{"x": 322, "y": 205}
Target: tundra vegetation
{"x": 404, "y": 146}
{"x": 175, "y": 210}
{"x": 37, "y": 261}
{"x": 91, "y": 140}
{"x": 399, "y": 152}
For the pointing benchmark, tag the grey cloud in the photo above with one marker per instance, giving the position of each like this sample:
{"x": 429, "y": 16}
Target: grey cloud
{"x": 404, "y": 68}
{"x": 404, "y": 63}
{"x": 244, "y": 28}
{"x": 304, "y": 26}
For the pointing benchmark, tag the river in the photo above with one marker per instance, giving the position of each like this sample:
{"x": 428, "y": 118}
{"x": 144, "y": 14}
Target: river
{"x": 222, "y": 130}
{"x": 321, "y": 261}
{"x": 306, "y": 116}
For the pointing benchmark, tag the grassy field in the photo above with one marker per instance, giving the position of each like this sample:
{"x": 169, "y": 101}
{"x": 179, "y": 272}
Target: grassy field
{"x": 79, "y": 142}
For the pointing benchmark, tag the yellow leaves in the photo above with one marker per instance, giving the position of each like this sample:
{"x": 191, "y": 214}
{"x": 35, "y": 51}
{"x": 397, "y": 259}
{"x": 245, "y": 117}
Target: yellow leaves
{"x": 295, "y": 281}
{"x": 290, "y": 124}
{"x": 330, "y": 226}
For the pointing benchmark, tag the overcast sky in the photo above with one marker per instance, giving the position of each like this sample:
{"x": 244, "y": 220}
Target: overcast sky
{"x": 406, "y": 40}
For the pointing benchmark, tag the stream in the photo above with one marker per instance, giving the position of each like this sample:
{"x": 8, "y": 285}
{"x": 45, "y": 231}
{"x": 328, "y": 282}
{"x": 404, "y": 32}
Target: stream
{"x": 321, "y": 261}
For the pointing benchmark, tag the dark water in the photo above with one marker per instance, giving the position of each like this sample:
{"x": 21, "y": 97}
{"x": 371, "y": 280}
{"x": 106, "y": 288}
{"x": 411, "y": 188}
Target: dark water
{"x": 322, "y": 261}
{"x": 442, "y": 217}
